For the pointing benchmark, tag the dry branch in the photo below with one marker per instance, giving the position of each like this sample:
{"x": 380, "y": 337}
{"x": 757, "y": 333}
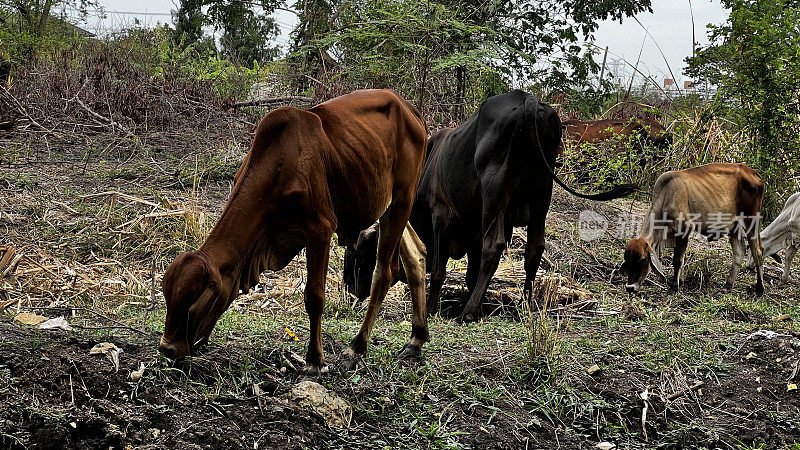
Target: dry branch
{"x": 117, "y": 323}
{"x": 274, "y": 101}
{"x": 679, "y": 394}
{"x": 121, "y": 195}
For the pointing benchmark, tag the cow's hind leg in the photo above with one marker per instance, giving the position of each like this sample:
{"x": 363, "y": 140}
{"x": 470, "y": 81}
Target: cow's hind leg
{"x": 493, "y": 245}
{"x": 387, "y": 265}
{"x": 678, "y": 257}
{"x": 534, "y": 248}
{"x": 497, "y": 188}
{"x": 758, "y": 257}
{"x": 412, "y": 253}
{"x": 737, "y": 249}
{"x": 787, "y": 265}
{"x": 317, "y": 253}
{"x": 441, "y": 253}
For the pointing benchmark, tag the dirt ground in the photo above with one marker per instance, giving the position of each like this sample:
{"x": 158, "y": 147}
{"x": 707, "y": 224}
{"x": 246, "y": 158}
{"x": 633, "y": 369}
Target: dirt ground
{"x": 96, "y": 223}
{"x": 56, "y": 395}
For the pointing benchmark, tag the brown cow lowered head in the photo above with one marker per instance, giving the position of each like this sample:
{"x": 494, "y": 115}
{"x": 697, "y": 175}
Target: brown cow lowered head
{"x": 714, "y": 200}
{"x": 637, "y": 263}
{"x": 192, "y": 290}
{"x": 334, "y": 168}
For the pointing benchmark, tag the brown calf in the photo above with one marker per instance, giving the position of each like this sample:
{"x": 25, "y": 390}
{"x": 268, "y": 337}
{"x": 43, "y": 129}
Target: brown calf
{"x": 714, "y": 200}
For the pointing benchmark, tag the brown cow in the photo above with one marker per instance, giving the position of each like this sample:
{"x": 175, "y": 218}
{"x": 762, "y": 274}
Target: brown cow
{"x": 714, "y": 200}
{"x": 337, "y": 167}
{"x": 594, "y": 131}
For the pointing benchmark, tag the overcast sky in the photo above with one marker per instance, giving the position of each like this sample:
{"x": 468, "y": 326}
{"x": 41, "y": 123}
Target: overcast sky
{"x": 670, "y": 26}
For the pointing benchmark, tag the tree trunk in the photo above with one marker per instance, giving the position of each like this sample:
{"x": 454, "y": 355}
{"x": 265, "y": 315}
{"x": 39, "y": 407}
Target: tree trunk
{"x": 43, "y": 18}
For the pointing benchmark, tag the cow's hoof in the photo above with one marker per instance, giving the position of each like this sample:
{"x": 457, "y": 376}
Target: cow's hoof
{"x": 312, "y": 372}
{"x": 722, "y": 292}
{"x": 410, "y": 352}
{"x": 672, "y": 290}
{"x": 350, "y": 358}
{"x": 468, "y": 317}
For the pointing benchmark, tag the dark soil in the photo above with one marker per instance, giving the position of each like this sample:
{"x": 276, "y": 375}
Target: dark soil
{"x": 750, "y": 405}
{"x": 55, "y": 395}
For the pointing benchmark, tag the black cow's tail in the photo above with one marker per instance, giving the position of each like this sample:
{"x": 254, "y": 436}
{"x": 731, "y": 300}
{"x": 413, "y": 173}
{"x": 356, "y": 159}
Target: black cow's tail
{"x": 620, "y": 190}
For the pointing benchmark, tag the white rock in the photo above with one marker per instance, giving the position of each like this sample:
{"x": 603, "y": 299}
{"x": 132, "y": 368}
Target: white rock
{"x": 333, "y": 409}
{"x": 58, "y": 323}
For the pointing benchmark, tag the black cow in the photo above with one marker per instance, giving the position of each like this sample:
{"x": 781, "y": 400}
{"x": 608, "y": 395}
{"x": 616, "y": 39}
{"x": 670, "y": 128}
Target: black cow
{"x": 359, "y": 263}
{"x": 481, "y": 179}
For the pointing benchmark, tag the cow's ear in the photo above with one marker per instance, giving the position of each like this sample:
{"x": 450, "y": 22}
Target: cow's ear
{"x": 655, "y": 263}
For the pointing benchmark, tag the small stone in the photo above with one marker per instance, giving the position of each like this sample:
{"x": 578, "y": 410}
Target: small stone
{"x": 335, "y": 411}
{"x": 136, "y": 375}
{"x": 28, "y": 318}
{"x": 593, "y": 370}
{"x": 605, "y": 446}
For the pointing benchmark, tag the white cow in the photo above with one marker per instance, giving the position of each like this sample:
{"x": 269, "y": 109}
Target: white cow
{"x": 784, "y": 233}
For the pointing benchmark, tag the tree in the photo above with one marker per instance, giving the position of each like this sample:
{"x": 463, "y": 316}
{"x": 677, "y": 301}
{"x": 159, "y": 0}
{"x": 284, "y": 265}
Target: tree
{"x": 450, "y": 48}
{"x": 754, "y": 61}
{"x": 316, "y": 19}
{"x": 248, "y": 28}
{"x": 26, "y": 22}
{"x": 189, "y": 20}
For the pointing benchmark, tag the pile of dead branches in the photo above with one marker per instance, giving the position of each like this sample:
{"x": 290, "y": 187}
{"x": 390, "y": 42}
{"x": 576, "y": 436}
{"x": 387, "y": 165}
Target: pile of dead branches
{"x": 97, "y": 86}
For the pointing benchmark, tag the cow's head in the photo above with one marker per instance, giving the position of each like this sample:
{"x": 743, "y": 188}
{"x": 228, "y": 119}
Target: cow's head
{"x": 361, "y": 263}
{"x": 639, "y": 258}
{"x": 193, "y": 292}
{"x": 663, "y": 140}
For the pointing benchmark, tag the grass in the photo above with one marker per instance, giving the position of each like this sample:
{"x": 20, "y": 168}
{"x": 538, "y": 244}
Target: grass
{"x": 499, "y": 381}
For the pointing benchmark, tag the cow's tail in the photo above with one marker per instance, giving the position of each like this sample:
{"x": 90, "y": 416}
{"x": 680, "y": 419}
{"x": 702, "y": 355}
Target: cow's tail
{"x": 620, "y": 190}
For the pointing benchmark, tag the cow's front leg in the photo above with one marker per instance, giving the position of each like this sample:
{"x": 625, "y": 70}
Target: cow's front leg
{"x": 317, "y": 253}
{"x": 412, "y": 253}
{"x": 441, "y": 253}
{"x": 678, "y": 258}
{"x": 473, "y": 264}
{"x": 387, "y": 265}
